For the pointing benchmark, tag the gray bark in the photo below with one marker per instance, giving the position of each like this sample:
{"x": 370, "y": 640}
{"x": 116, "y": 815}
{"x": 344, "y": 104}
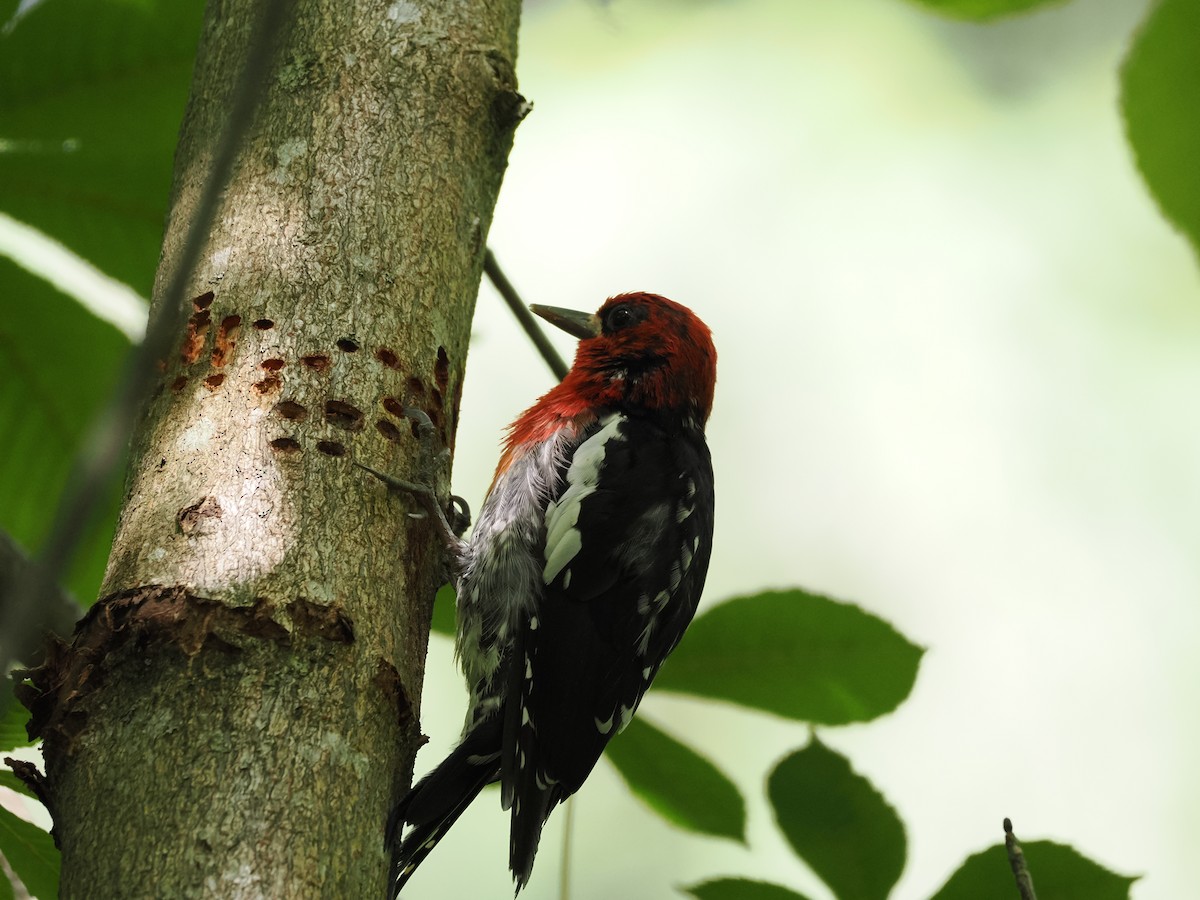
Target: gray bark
{"x": 238, "y": 713}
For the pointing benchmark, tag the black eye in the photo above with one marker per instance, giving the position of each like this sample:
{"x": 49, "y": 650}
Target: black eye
{"x": 622, "y": 316}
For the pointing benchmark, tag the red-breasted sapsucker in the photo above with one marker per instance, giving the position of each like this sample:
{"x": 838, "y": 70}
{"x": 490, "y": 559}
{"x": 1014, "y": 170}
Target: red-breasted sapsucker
{"x": 582, "y": 572}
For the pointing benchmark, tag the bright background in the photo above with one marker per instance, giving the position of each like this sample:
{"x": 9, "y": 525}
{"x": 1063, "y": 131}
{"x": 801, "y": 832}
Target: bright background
{"x": 958, "y": 386}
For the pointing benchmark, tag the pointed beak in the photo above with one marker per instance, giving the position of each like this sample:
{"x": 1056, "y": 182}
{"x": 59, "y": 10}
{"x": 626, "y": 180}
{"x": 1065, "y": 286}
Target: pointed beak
{"x": 580, "y": 324}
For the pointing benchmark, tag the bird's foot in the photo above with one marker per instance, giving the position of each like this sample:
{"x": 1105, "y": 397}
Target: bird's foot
{"x": 451, "y": 518}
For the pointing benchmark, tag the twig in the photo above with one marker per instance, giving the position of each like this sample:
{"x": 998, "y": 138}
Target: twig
{"x": 564, "y": 878}
{"x": 59, "y": 610}
{"x": 1016, "y": 859}
{"x": 524, "y": 316}
{"x": 22, "y": 602}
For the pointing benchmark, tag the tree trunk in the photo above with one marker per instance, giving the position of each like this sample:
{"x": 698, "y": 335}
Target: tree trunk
{"x": 237, "y": 714}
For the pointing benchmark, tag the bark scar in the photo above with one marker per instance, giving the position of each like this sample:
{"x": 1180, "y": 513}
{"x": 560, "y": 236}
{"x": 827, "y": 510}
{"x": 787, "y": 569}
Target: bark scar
{"x": 328, "y": 622}
{"x": 389, "y": 681}
{"x": 194, "y": 517}
{"x": 153, "y": 616}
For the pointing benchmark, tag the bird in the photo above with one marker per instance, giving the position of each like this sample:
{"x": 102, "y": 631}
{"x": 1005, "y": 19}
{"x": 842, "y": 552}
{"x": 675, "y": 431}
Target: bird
{"x": 583, "y": 570}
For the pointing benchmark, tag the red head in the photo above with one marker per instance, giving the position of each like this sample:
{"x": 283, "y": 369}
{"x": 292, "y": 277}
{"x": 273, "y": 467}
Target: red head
{"x": 640, "y": 351}
{"x": 637, "y": 352}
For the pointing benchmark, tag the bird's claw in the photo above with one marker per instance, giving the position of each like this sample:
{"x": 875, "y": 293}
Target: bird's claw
{"x": 426, "y": 433}
{"x": 451, "y": 527}
{"x": 452, "y": 518}
{"x": 460, "y": 515}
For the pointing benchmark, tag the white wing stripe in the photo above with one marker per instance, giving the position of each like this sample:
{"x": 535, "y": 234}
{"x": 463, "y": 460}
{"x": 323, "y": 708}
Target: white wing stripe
{"x": 563, "y": 540}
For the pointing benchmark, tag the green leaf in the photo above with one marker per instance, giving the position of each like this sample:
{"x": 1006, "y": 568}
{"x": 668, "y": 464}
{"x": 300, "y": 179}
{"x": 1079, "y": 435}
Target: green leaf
{"x": 60, "y": 364}
{"x": 838, "y": 823}
{"x": 31, "y": 854}
{"x": 677, "y": 782}
{"x": 740, "y": 889}
{"x": 1160, "y": 82}
{"x": 12, "y": 725}
{"x": 91, "y": 97}
{"x": 797, "y": 655}
{"x": 983, "y": 10}
{"x": 9, "y": 780}
{"x": 6, "y": 888}
{"x": 1057, "y": 871}
{"x": 444, "y": 621}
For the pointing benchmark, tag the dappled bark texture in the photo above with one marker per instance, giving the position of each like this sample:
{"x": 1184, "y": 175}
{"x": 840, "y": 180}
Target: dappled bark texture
{"x": 237, "y": 714}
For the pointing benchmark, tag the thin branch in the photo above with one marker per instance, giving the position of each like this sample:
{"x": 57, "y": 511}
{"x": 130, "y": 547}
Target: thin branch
{"x": 564, "y": 878}
{"x": 524, "y": 316}
{"x": 1016, "y": 859}
{"x": 58, "y": 611}
{"x": 23, "y": 601}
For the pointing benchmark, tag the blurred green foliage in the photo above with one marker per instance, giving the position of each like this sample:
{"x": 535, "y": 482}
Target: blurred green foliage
{"x": 31, "y": 854}
{"x": 91, "y": 100}
{"x": 91, "y": 97}
{"x": 677, "y": 782}
{"x": 60, "y": 364}
{"x": 983, "y": 10}
{"x": 1160, "y": 86}
{"x": 1058, "y": 871}
{"x": 740, "y": 889}
{"x": 797, "y": 655}
{"x": 838, "y": 823}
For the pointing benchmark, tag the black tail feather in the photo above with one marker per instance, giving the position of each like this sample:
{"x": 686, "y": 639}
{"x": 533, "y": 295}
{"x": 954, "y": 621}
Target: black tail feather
{"x": 437, "y": 801}
{"x": 530, "y": 810}
{"x": 528, "y": 792}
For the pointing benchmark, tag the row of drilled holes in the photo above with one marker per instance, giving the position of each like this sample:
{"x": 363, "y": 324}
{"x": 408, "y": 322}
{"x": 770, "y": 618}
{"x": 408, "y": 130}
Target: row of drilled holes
{"x": 338, "y": 413}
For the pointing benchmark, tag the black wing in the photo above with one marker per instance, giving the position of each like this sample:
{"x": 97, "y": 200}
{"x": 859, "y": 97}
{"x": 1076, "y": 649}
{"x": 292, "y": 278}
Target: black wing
{"x": 629, "y": 539}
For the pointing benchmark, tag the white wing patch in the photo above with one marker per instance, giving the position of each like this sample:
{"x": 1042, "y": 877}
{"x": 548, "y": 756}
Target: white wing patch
{"x": 567, "y": 543}
{"x": 563, "y": 540}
